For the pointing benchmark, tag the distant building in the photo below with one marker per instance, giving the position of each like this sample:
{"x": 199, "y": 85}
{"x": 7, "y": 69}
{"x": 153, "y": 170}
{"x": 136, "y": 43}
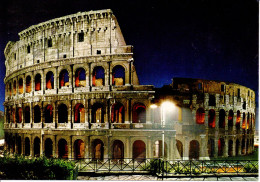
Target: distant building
{"x": 72, "y": 92}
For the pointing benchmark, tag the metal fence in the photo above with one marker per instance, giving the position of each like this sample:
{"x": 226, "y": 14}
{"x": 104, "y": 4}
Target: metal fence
{"x": 167, "y": 167}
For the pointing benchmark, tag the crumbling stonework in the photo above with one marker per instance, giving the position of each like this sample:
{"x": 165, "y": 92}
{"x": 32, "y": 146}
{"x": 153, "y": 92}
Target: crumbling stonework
{"x": 72, "y": 92}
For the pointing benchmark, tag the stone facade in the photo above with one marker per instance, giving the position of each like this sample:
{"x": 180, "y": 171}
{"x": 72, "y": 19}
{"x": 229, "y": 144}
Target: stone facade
{"x": 72, "y": 92}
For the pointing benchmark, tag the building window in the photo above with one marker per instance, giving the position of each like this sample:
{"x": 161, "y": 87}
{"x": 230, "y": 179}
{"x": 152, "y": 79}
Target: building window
{"x": 118, "y": 75}
{"x": 28, "y": 49}
{"x": 212, "y": 100}
{"x": 98, "y": 76}
{"x": 238, "y": 93}
{"x": 200, "y": 116}
{"x": 98, "y": 51}
{"x": 81, "y": 37}
{"x": 200, "y": 86}
{"x": 14, "y": 56}
{"x": 49, "y": 42}
{"x": 64, "y": 56}
{"x": 222, "y": 88}
{"x": 80, "y": 78}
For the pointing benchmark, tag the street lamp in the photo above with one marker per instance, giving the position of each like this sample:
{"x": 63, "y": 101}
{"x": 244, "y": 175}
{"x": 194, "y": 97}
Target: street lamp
{"x": 165, "y": 107}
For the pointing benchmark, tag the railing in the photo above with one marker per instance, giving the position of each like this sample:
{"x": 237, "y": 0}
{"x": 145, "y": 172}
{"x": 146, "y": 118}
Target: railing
{"x": 167, "y": 167}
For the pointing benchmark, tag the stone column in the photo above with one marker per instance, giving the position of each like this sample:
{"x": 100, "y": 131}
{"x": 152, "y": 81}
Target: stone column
{"x": 55, "y": 147}
{"x": 240, "y": 146}
{"x": 186, "y": 148}
{"x": 206, "y": 123}
{"x": 87, "y": 148}
{"x": 31, "y": 145}
{"x": 31, "y": 113}
{"x": 226, "y": 120}
{"x": 203, "y": 148}
{"x": 225, "y": 152}
{"x": 128, "y": 118}
{"x": 174, "y": 153}
{"x": 86, "y": 112}
{"x": 56, "y": 80}
{"x": 216, "y": 122}
{"x": 234, "y": 147}
{"x": 234, "y": 122}
{"x": 149, "y": 147}
{"x": 42, "y": 82}
{"x": 216, "y": 147}
{"x": 72, "y": 83}
{"x": 22, "y": 145}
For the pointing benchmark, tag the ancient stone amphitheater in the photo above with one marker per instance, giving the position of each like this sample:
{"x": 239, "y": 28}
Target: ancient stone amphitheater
{"x": 72, "y": 91}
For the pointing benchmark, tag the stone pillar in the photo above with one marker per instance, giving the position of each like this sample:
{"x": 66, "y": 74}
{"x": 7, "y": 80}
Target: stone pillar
{"x": 149, "y": 147}
{"x": 70, "y": 113}
{"x": 89, "y": 111}
{"x": 87, "y": 147}
{"x": 206, "y": 123}
{"x": 225, "y": 152}
{"x": 55, "y": 114}
{"x": 31, "y": 113}
{"x": 240, "y": 146}
{"x": 174, "y": 153}
{"x": 31, "y": 145}
{"x": 203, "y": 148}
{"x": 128, "y": 149}
{"x": 86, "y": 112}
{"x": 216, "y": 147}
{"x": 226, "y": 120}
{"x": 72, "y": 83}
{"x": 128, "y": 118}
{"x": 41, "y": 143}
{"x": 42, "y": 82}
{"x": 216, "y": 122}
{"x": 22, "y": 145}
{"x": 234, "y": 122}
{"x": 234, "y": 147}
{"x": 186, "y": 148}
{"x": 56, "y": 80}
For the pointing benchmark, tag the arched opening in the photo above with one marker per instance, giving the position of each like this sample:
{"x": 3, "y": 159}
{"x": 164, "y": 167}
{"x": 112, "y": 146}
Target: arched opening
{"x": 179, "y": 146}
{"x": 211, "y": 149}
{"x": 157, "y": 152}
{"x": 251, "y": 121}
{"x": 36, "y": 147}
{"x": 27, "y": 114}
{"x": 247, "y": 146}
{"x": 8, "y": 114}
{"x": 244, "y": 105}
{"x": 62, "y": 113}
{"x": 19, "y": 115}
{"x": 48, "y": 114}
{"x": 211, "y": 119}
{"x": 14, "y": 87}
{"x": 20, "y": 86}
{"x": 48, "y": 148}
{"x": 237, "y": 147}
{"x": 28, "y": 87}
{"x": 221, "y": 145}
{"x": 139, "y": 150}
{"x": 118, "y": 75}
{"x": 97, "y": 149}
{"x": 27, "y": 147}
{"x": 244, "y": 121}
{"x": 118, "y": 113}
{"x": 63, "y": 149}
{"x": 97, "y": 113}
{"x": 98, "y": 76}
{"x": 248, "y": 124}
{"x": 19, "y": 145}
{"x": 243, "y": 147}
{"x": 194, "y": 150}
{"x": 200, "y": 116}
{"x": 212, "y": 100}
{"x": 79, "y": 114}
{"x": 80, "y": 78}
{"x": 49, "y": 80}
{"x": 238, "y": 121}
{"x": 230, "y": 118}
{"x": 9, "y": 90}
{"x": 38, "y": 81}
{"x": 118, "y": 150}
{"x": 64, "y": 79}
{"x": 139, "y": 113}
{"x": 222, "y": 115}
{"x": 37, "y": 114}
{"x": 13, "y": 115}
{"x": 230, "y": 148}
{"x": 79, "y": 149}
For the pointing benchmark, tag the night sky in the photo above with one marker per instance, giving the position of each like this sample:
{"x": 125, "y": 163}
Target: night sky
{"x": 208, "y": 39}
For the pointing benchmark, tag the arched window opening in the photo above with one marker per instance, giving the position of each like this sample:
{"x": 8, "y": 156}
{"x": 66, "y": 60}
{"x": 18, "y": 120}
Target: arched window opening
{"x": 50, "y": 80}
{"x": 237, "y": 146}
{"x": 48, "y": 114}
{"x": 63, "y": 149}
{"x": 211, "y": 119}
{"x": 80, "y": 78}
{"x": 64, "y": 78}
{"x": 38, "y": 80}
{"x": 221, "y": 145}
{"x": 200, "y": 116}
{"x": 28, "y": 88}
{"x": 222, "y": 115}
{"x": 238, "y": 120}
{"x": 36, "y": 147}
{"x": 118, "y": 113}
{"x": 179, "y": 146}
{"x": 118, "y": 150}
{"x": 244, "y": 121}
{"x": 48, "y": 148}
{"x": 157, "y": 152}
{"x": 230, "y": 148}
{"x": 97, "y": 113}
{"x": 98, "y": 76}
{"x": 9, "y": 89}
{"x": 212, "y": 100}
{"x": 62, "y": 113}
{"x": 118, "y": 75}
{"x": 20, "y": 86}
{"x": 211, "y": 147}
{"x": 27, "y": 146}
{"x": 8, "y": 114}
{"x": 27, "y": 114}
{"x": 97, "y": 149}
{"x": 230, "y": 118}
{"x": 79, "y": 149}
{"x": 37, "y": 114}
{"x": 19, "y": 115}
{"x": 19, "y": 145}
{"x": 244, "y": 105}
{"x": 13, "y": 116}
{"x": 194, "y": 150}
{"x": 79, "y": 114}
{"x": 139, "y": 113}
{"x": 139, "y": 150}
{"x": 248, "y": 124}
{"x": 14, "y": 88}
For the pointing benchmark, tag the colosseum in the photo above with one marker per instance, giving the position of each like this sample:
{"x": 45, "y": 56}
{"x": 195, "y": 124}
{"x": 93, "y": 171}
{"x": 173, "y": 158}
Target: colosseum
{"x": 72, "y": 91}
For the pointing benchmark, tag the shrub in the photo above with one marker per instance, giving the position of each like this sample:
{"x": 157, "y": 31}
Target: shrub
{"x": 19, "y": 167}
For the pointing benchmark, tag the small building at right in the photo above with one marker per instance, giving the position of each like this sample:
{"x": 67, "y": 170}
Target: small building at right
{"x": 212, "y": 119}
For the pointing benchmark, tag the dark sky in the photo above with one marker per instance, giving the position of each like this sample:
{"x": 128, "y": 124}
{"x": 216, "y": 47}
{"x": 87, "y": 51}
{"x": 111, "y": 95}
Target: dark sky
{"x": 208, "y": 39}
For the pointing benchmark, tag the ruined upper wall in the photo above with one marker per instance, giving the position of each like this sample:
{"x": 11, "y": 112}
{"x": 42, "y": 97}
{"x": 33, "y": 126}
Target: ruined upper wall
{"x": 93, "y": 33}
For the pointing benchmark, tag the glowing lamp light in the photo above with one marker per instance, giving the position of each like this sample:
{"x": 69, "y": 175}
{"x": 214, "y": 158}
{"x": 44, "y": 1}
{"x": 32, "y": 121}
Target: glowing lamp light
{"x": 167, "y": 106}
{"x": 153, "y": 106}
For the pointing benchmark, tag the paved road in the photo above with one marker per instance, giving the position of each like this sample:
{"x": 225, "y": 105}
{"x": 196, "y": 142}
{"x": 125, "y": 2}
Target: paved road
{"x": 154, "y": 178}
